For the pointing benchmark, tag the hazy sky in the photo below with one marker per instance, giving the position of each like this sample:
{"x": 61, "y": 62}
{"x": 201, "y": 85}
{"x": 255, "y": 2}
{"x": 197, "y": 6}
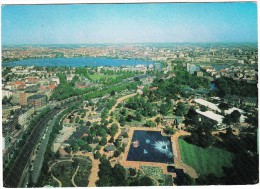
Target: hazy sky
{"x": 120, "y": 23}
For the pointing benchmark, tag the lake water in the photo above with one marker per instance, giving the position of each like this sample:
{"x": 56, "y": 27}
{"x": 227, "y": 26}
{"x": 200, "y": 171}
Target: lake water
{"x": 153, "y": 147}
{"x": 78, "y": 62}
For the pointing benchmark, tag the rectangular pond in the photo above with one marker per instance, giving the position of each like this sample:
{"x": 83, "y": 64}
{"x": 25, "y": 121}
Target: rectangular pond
{"x": 150, "y": 146}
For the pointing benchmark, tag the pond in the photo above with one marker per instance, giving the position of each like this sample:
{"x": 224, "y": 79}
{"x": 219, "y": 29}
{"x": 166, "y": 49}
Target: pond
{"x": 152, "y": 147}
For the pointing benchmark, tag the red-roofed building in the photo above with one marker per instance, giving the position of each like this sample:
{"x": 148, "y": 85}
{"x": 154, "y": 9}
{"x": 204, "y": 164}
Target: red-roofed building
{"x": 18, "y": 85}
{"x": 153, "y": 88}
{"x": 52, "y": 86}
{"x": 31, "y": 79}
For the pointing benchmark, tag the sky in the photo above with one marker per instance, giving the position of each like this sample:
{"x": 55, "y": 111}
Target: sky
{"x": 129, "y": 23}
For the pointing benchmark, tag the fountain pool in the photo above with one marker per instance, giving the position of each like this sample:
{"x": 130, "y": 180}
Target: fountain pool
{"x": 153, "y": 147}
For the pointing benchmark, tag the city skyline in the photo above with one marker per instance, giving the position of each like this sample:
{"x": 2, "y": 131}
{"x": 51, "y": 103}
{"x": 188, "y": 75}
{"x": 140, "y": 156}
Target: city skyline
{"x": 129, "y": 23}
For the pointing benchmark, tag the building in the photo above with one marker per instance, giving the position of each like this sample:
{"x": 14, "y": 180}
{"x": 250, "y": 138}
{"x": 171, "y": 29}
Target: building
{"x": 37, "y": 100}
{"x": 211, "y": 115}
{"x": 110, "y": 148}
{"x": 207, "y": 104}
{"x": 191, "y": 68}
{"x": 157, "y": 67}
{"x": 7, "y": 93}
{"x": 172, "y": 120}
{"x": 199, "y": 74}
{"x": 56, "y": 79}
{"x": 25, "y": 117}
{"x": 6, "y": 110}
{"x": 22, "y": 99}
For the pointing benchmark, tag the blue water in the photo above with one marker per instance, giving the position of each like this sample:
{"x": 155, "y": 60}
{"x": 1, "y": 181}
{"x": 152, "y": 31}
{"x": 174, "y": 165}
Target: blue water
{"x": 147, "y": 151}
{"x": 77, "y": 62}
{"x": 213, "y": 86}
{"x": 219, "y": 67}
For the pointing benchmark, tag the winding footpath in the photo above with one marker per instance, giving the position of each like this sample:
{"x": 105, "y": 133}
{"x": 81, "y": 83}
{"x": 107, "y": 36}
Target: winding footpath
{"x": 73, "y": 177}
{"x": 57, "y": 180}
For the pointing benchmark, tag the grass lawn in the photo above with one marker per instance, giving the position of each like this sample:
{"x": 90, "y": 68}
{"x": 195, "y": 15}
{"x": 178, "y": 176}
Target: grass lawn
{"x": 96, "y": 77}
{"x": 205, "y": 161}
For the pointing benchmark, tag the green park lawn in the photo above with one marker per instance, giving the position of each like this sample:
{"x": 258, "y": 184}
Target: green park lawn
{"x": 205, "y": 161}
{"x": 97, "y": 77}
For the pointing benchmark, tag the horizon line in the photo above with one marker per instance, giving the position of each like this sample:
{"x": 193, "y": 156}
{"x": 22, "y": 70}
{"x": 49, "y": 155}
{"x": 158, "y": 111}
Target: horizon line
{"x": 111, "y": 43}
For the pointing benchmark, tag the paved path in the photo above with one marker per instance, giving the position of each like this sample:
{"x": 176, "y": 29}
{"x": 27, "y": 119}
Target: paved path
{"x": 73, "y": 177}
{"x": 59, "y": 182}
{"x": 119, "y": 100}
{"x": 93, "y": 177}
{"x": 176, "y": 151}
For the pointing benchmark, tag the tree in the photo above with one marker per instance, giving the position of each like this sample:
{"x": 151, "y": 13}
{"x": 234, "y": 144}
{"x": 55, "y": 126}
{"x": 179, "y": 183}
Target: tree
{"x": 145, "y": 181}
{"x": 203, "y": 108}
{"x": 113, "y": 129}
{"x": 68, "y": 149}
{"x": 111, "y": 140}
{"x": 223, "y": 106}
{"x": 112, "y": 93}
{"x": 75, "y": 146}
{"x": 88, "y": 123}
{"x": 136, "y": 79}
{"x": 227, "y": 119}
{"x": 209, "y": 179}
{"x": 169, "y": 130}
{"x": 103, "y": 141}
{"x": 97, "y": 155}
{"x": 119, "y": 173}
{"x": 235, "y": 115}
{"x": 132, "y": 171}
{"x": 18, "y": 126}
{"x": 57, "y": 154}
{"x": 125, "y": 135}
{"x": 186, "y": 180}
{"x": 117, "y": 143}
{"x": 98, "y": 147}
{"x": 181, "y": 109}
{"x": 138, "y": 116}
{"x": 81, "y": 143}
{"x": 157, "y": 120}
{"x": 123, "y": 112}
{"x": 117, "y": 153}
{"x": 150, "y": 123}
{"x": 81, "y": 121}
{"x": 77, "y": 120}
{"x": 122, "y": 120}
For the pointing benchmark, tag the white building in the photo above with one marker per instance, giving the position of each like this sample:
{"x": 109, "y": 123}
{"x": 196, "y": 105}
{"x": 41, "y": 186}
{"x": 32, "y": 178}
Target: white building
{"x": 211, "y": 115}
{"x": 242, "y": 117}
{"x": 24, "y": 118}
{"x": 6, "y": 93}
{"x": 56, "y": 79}
{"x": 210, "y": 105}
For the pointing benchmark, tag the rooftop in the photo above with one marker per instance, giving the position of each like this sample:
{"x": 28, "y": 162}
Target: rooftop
{"x": 110, "y": 148}
{"x": 207, "y": 104}
{"x": 209, "y": 114}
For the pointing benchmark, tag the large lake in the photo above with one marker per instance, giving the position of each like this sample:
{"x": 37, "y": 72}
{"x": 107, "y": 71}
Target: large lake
{"x": 78, "y": 62}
